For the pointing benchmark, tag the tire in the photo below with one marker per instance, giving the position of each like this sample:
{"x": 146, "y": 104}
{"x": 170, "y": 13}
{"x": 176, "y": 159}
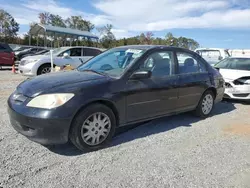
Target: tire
{"x": 81, "y": 127}
{"x": 200, "y": 109}
{"x": 42, "y": 69}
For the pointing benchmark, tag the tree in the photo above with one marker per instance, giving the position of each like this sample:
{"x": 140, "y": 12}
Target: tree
{"x": 183, "y": 42}
{"x": 56, "y": 20}
{"x": 171, "y": 40}
{"x": 133, "y": 40}
{"x": 107, "y": 37}
{"x": 142, "y": 38}
{"x": 44, "y": 18}
{"x": 158, "y": 41}
{"x": 149, "y": 37}
{"x": 193, "y": 44}
{"x": 8, "y": 26}
{"x": 77, "y": 22}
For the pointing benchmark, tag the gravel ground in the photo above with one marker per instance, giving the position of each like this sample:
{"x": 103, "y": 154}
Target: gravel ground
{"x": 179, "y": 151}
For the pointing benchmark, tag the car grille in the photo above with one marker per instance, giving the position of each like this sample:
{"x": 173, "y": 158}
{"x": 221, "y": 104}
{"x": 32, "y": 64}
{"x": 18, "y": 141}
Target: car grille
{"x": 241, "y": 95}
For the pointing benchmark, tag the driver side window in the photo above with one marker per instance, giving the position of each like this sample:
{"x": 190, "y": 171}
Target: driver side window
{"x": 159, "y": 63}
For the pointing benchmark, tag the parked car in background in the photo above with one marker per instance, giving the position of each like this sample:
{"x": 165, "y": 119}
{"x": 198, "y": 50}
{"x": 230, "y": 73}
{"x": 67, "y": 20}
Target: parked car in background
{"x": 41, "y": 52}
{"x": 121, "y": 86}
{"x": 28, "y": 52}
{"x": 7, "y": 56}
{"x": 21, "y": 48}
{"x": 239, "y": 53}
{"x": 236, "y": 72}
{"x": 213, "y": 55}
{"x": 41, "y": 64}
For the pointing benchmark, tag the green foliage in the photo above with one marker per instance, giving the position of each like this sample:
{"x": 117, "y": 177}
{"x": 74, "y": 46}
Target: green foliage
{"x": 107, "y": 37}
{"x": 169, "y": 40}
{"x": 77, "y": 22}
{"x": 8, "y": 26}
{"x": 56, "y": 20}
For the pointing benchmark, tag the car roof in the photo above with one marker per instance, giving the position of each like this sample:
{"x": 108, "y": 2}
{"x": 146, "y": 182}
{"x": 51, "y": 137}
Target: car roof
{"x": 239, "y": 57}
{"x": 147, "y": 47}
{"x": 70, "y": 47}
{"x": 210, "y": 49}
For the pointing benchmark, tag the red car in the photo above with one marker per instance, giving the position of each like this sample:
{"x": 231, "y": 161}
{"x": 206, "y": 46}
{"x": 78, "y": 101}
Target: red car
{"x": 7, "y": 55}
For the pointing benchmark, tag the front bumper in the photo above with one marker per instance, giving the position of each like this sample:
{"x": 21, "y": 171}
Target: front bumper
{"x": 45, "y": 131}
{"x": 241, "y": 92}
{"x": 27, "y": 70}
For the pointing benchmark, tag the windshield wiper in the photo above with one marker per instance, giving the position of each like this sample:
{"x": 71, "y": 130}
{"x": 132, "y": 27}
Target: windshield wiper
{"x": 91, "y": 70}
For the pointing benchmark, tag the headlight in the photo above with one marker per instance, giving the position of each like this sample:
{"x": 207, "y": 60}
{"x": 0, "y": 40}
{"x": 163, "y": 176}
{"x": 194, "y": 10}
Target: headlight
{"x": 49, "y": 101}
{"x": 30, "y": 61}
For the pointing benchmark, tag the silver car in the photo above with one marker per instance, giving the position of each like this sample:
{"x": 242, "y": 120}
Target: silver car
{"x": 41, "y": 64}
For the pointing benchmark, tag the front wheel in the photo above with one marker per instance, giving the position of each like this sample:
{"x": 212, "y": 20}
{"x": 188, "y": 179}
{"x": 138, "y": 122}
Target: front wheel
{"x": 93, "y": 128}
{"x": 205, "y": 105}
{"x": 44, "y": 69}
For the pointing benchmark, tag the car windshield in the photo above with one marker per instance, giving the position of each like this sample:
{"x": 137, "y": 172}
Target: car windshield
{"x": 113, "y": 62}
{"x": 234, "y": 63}
{"x": 56, "y": 51}
{"x": 22, "y": 48}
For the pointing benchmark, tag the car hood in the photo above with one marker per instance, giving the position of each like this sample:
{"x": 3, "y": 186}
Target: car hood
{"x": 231, "y": 74}
{"x": 43, "y": 83}
{"x": 36, "y": 57}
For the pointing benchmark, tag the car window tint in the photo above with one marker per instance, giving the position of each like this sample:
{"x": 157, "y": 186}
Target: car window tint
{"x": 234, "y": 63}
{"x": 2, "y": 48}
{"x": 75, "y": 52}
{"x": 159, "y": 63}
{"x": 34, "y": 50}
{"x": 90, "y": 52}
{"x": 188, "y": 64}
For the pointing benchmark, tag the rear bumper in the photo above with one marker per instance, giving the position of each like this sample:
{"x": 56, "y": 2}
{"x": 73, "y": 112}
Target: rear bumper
{"x": 220, "y": 94}
{"x": 43, "y": 131}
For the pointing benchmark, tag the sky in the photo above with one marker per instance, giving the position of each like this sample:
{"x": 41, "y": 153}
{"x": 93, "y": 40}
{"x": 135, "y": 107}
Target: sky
{"x": 213, "y": 23}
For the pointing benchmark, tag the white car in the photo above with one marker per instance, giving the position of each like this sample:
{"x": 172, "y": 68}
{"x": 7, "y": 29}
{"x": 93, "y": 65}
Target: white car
{"x": 41, "y": 64}
{"x": 213, "y": 55}
{"x": 236, "y": 73}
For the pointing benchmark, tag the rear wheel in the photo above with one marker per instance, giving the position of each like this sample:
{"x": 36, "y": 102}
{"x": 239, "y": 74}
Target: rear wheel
{"x": 93, "y": 128}
{"x": 205, "y": 105}
{"x": 44, "y": 69}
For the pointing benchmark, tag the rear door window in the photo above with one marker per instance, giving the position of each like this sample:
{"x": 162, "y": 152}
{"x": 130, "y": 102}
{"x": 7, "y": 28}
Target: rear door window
{"x": 187, "y": 63}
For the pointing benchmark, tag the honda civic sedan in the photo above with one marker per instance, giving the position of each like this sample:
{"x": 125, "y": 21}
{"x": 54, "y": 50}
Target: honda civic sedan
{"x": 122, "y": 86}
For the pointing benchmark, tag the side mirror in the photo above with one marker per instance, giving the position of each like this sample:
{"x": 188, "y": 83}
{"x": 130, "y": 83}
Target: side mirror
{"x": 220, "y": 58}
{"x": 141, "y": 75}
{"x": 65, "y": 55}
